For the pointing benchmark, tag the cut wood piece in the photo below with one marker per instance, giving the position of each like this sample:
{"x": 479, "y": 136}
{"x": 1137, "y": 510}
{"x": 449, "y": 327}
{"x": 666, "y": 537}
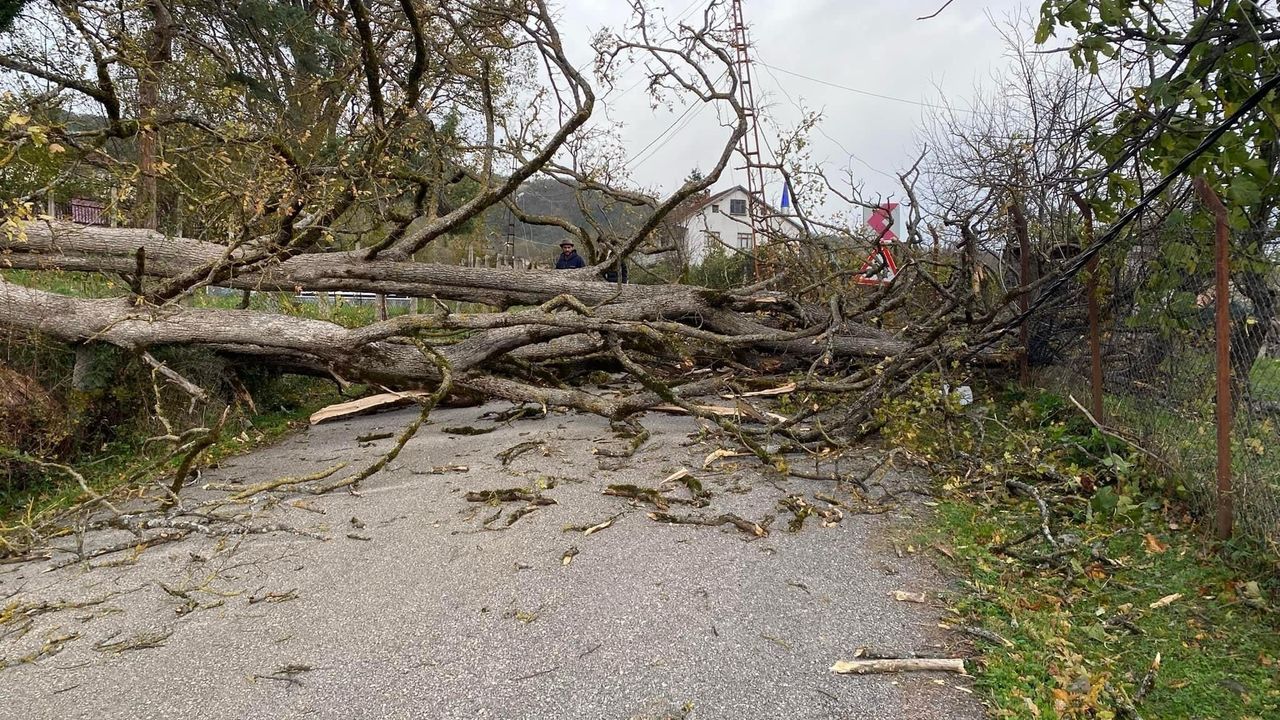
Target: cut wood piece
{"x": 364, "y": 406}
{"x": 780, "y": 390}
{"x": 894, "y": 665}
{"x": 716, "y": 410}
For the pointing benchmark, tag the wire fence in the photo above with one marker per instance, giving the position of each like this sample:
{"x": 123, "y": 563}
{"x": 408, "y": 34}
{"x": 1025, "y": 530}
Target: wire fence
{"x": 1159, "y": 350}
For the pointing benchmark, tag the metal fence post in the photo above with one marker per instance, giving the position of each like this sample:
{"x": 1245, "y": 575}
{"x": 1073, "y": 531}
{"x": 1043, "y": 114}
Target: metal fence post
{"x": 1222, "y": 303}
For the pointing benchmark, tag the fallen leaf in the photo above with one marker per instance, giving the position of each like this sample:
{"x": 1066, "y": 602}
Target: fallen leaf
{"x": 1252, "y": 593}
{"x": 945, "y": 551}
{"x": 1166, "y": 600}
{"x": 1154, "y": 546}
{"x": 569, "y": 555}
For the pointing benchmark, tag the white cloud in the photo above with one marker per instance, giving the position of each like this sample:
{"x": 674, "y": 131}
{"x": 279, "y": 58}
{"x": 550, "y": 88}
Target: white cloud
{"x": 876, "y": 46}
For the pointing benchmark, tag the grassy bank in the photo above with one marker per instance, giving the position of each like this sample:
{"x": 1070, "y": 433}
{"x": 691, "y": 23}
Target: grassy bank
{"x": 1129, "y": 610}
{"x": 108, "y": 424}
{"x": 128, "y": 461}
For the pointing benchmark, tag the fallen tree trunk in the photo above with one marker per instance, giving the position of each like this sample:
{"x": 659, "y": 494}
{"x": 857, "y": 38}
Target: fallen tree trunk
{"x": 377, "y": 352}
{"x": 71, "y": 247}
{"x": 66, "y": 246}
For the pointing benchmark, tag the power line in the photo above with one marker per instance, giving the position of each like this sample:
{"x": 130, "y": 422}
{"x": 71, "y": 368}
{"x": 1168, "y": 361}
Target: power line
{"x": 818, "y": 127}
{"x": 698, "y": 106}
{"x": 697, "y": 103}
{"x": 868, "y": 93}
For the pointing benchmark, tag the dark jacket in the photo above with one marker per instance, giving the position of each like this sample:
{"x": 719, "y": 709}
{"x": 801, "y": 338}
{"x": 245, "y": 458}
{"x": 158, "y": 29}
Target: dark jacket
{"x": 611, "y": 275}
{"x": 570, "y": 261}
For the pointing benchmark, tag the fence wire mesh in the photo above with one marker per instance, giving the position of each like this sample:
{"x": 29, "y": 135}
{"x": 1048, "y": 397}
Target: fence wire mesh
{"x": 1157, "y": 336}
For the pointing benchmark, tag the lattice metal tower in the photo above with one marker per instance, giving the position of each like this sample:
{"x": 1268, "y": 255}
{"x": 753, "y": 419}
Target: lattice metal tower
{"x": 749, "y": 146}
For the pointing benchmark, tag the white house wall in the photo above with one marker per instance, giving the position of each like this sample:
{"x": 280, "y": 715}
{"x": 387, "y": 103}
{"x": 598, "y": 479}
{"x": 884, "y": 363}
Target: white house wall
{"x": 729, "y": 228}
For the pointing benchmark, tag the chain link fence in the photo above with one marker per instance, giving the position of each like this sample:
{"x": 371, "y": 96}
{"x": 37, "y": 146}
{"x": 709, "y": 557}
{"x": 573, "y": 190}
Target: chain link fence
{"x": 1149, "y": 362}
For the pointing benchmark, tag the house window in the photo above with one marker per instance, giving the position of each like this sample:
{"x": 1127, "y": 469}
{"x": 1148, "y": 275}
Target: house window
{"x": 744, "y": 241}
{"x": 715, "y": 208}
{"x": 713, "y": 237}
{"x": 737, "y": 207}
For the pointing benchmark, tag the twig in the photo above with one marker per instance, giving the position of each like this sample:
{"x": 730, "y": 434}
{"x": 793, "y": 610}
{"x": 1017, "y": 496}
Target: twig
{"x": 1112, "y": 433}
{"x": 1040, "y": 503}
{"x": 428, "y": 404}
{"x": 985, "y": 634}
{"x": 937, "y": 12}
{"x": 374, "y": 436}
{"x": 184, "y": 468}
{"x": 537, "y": 674}
{"x": 279, "y": 482}
{"x": 195, "y": 391}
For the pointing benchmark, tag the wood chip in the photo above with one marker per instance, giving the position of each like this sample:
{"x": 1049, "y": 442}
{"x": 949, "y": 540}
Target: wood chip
{"x": 896, "y": 665}
{"x": 903, "y": 596}
{"x": 1166, "y": 600}
{"x": 720, "y": 410}
{"x": 780, "y": 390}
{"x": 373, "y": 403}
{"x": 719, "y": 454}
{"x": 598, "y": 527}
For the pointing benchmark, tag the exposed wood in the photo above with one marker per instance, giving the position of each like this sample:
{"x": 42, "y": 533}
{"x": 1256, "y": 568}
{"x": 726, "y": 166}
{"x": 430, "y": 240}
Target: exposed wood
{"x": 897, "y": 665}
{"x": 364, "y": 406}
{"x": 722, "y": 411}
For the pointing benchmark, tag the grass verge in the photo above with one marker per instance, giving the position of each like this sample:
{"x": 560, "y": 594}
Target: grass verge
{"x": 127, "y": 463}
{"x": 1131, "y": 610}
{"x": 1082, "y": 648}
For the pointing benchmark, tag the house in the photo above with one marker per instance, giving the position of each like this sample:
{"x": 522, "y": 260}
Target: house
{"x": 721, "y": 220}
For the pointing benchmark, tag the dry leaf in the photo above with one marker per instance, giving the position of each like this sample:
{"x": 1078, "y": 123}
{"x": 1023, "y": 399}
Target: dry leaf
{"x": 1154, "y": 546}
{"x": 1166, "y": 600}
{"x": 903, "y": 596}
{"x": 569, "y": 555}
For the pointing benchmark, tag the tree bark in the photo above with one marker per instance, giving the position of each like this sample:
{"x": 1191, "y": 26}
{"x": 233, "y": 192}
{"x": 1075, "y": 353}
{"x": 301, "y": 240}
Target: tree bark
{"x": 159, "y": 53}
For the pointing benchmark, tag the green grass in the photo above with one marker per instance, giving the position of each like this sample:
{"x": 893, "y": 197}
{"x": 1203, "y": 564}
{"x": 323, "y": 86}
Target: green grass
{"x": 1219, "y": 642}
{"x": 1137, "y": 576}
{"x": 284, "y": 406}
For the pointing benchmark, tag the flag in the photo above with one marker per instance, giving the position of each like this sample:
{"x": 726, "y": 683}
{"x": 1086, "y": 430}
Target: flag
{"x": 786, "y": 196}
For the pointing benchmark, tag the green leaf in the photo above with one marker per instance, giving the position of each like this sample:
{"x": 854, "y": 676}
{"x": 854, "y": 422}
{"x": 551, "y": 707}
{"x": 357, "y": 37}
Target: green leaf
{"x": 1244, "y": 191}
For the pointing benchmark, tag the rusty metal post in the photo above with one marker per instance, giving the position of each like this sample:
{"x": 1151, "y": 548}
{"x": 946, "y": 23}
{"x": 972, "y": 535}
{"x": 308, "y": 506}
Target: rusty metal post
{"x": 1222, "y": 303}
{"x": 1095, "y": 330}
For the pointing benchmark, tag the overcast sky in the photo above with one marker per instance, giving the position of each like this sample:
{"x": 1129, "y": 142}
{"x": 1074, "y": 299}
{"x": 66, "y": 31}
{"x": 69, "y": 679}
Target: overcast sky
{"x": 876, "y": 46}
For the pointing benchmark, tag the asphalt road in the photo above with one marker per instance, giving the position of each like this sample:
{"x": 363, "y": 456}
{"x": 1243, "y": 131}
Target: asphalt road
{"x": 414, "y": 608}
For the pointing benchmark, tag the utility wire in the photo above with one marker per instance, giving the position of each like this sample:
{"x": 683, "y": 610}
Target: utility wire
{"x": 698, "y": 106}
{"x": 818, "y": 127}
{"x": 868, "y": 93}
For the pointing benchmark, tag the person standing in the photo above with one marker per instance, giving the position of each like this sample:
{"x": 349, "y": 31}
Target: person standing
{"x": 569, "y": 259}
